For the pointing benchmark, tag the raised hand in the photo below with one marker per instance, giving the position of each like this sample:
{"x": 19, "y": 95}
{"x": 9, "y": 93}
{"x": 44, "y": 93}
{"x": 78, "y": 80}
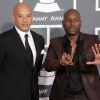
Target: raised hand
{"x": 96, "y": 51}
{"x": 66, "y": 59}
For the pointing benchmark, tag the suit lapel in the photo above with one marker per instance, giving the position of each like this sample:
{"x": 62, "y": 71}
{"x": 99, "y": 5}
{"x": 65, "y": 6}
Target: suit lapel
{"x": 58, "y": 45}
{"x": 20, "y": 45}
{"x": 35, "y": 38}
{"x": 18, "y": 40}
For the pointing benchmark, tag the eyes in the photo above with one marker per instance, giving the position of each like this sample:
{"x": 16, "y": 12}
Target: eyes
{"x": 74, "y": 20}
{"x": 23, "y": 16}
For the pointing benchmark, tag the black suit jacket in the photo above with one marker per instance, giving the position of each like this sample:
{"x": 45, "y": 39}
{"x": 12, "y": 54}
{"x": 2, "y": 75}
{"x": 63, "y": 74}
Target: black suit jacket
{"x": 18, "y": 78}
{"x": 89, "y": 74}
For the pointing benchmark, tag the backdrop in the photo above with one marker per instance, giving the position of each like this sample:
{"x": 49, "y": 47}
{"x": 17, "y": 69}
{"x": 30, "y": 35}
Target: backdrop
{"x": 48, "y": 15}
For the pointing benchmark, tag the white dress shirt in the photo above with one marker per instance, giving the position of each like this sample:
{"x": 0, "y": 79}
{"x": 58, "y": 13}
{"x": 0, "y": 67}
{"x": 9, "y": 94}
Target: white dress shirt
{"x": 30, "y": 40}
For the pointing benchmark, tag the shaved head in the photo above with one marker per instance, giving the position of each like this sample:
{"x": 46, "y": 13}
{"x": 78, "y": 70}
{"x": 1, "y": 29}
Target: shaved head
{"x": 21, "y": 5}
{"x": 72, "y": 11}
{"x": 22, "y": 16}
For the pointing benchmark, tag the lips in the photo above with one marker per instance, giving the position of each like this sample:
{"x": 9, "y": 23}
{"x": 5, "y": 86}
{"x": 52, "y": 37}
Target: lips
{"x": 72, "y": 29}
{"x": 25, "y": 24}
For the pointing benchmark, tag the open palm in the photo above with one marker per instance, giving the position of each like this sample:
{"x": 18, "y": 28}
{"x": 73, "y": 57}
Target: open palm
{"x": 96, "y": 51}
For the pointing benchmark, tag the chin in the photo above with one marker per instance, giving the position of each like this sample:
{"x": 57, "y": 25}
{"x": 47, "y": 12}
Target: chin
{"x": 25, "y": 30}
{"x": 72, "y": 34}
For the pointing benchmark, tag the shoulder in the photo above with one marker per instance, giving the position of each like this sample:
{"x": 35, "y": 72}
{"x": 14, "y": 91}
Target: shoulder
{"x": 36, "y": 34}
{"x": 37, "y": 37}
{"x": 86, "y": 36}
{"x": 6, "y": 34}
{"x": 89, "y": 39}
{"x": 56, "y": 40}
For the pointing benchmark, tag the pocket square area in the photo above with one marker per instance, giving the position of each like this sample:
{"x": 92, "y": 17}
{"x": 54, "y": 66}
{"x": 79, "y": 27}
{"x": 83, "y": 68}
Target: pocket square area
{"x": 43, "y": 51}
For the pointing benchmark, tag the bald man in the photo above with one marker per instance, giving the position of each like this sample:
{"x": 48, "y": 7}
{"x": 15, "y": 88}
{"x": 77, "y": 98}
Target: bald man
{"x": 20, "y": 58}
{"x": 74, "y": 80}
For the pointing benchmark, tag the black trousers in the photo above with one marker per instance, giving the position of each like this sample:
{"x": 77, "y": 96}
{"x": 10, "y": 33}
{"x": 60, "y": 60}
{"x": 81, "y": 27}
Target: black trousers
{"x": 76, "y": 97}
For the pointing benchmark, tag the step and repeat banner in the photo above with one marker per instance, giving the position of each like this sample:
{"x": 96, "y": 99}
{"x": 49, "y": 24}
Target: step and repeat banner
{"x": 47, "y": 21}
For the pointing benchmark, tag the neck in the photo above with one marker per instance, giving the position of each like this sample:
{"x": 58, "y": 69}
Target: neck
{"x": 73, "y": 44}
{"x": 73, "y": 39}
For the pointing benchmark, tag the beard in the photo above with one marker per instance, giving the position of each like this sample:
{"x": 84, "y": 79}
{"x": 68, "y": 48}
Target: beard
{"x": 72, "y": 32}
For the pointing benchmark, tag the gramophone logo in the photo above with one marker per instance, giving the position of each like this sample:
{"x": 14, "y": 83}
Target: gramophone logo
{"x": 47, "y": 6}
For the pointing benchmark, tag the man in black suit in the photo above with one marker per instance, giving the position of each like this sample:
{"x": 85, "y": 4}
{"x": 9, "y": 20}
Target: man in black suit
{"x": 18, "y": 74}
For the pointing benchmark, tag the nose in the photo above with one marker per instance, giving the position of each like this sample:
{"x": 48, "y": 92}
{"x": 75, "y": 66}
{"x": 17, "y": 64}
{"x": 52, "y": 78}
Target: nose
{"x": 72, "y": 22}
{"x": 25, "y": 19}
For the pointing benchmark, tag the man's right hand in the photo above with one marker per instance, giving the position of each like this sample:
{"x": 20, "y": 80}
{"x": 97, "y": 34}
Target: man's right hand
{"x": 66, "y": 59}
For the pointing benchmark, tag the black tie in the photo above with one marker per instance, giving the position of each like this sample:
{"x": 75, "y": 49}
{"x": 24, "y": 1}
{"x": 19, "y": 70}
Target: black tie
{"x": 28, "y": 50}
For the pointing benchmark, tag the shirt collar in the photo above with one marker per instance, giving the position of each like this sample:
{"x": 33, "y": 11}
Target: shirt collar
{"x": 21, "y": 33}
{"x": 67, "y": 41}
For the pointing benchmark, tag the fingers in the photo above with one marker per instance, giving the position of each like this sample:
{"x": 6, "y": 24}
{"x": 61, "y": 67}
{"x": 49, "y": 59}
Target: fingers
{"x": 66, "y": 59}
{"x": 66, "y": 56}
{"x": 93, "y": 48}
{"x": 96, "y": 49}
{"x": 89, "y": 63}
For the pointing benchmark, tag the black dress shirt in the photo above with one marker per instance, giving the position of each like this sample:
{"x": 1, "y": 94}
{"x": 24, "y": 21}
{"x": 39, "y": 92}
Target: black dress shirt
{"x": 73, "y": 84}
